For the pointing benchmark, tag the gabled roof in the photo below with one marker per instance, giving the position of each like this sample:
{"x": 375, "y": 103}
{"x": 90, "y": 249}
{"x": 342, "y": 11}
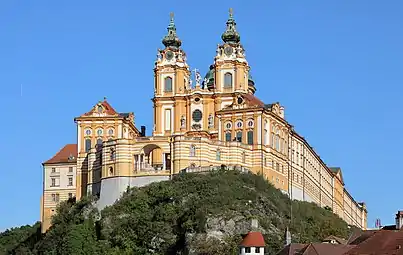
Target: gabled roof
{"x": 68, "y": 154}
{"x": 253, "y": 239}
{"x": 101, "y": 107}
{"x": 337, "y": 239}
{"x": 315, "y": 249}
{"x": 253, "y": 101}
{"x": 337, "y": 172}
{"x": 380, "y": 242}
{"x": 325, "y": 249}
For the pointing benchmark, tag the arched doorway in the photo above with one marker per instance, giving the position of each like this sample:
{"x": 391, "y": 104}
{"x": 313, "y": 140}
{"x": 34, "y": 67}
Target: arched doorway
{"x": 152, "y": 158}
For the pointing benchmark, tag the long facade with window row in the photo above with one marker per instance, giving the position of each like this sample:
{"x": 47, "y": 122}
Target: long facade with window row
{"x": 199, "y": 125}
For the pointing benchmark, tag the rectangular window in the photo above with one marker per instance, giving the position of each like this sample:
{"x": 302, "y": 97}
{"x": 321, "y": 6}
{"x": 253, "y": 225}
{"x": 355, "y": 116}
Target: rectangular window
{"x": 228, "y": 137}
{"x": 53, "y": 169}
{"x": 218, "y": 155}
{"x": 277, "y": 167}
{"x": 227, "y": 80}
{"x": 257, "y": 250}
{"x": 168, "y": 84}
{"x": 250, "y": 137}
{"x": 53, "y": 182}
{"x": 70, "y": 181}
{"x": 87, "y": 145}
{"x": 55, "y": 197}
{"x": 247, "y": 249}
{"x": 70, "y": 169}
{"x": 168, "y": 119}
{"x": 239, "y": 136}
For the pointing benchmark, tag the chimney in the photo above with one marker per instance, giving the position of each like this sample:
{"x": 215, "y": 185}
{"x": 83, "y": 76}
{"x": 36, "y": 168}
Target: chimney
{"x": 143, "y": 131}
{"x": 254, "y": 225}
{"x": 399, "y": 220}
{"x": 287, "y": 237}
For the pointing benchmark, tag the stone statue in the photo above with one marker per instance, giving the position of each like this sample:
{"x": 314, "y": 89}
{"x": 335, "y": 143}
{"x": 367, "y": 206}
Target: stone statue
{"x": 159, "y": 56}
{"x": 205, "y": 83}
{"x": 198, "y": 77}
{"x": 190, "y": 83}
{"x": 183, "y": 122}
{"x": 210, "y": 121}
{"x": 218, "y": 50}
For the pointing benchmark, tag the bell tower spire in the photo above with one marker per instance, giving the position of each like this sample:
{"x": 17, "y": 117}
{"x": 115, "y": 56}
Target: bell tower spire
{"x": 231, "y": 70}
{"x": 171, "y": 40}
{"x": 171, "y": 83}
{"x": 230, "y": 35}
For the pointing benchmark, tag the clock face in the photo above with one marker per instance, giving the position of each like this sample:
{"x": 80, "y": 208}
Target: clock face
{"x": 197, "y": 115}
{"x": 228, "y": 50}
{"x": 169, "y": 55}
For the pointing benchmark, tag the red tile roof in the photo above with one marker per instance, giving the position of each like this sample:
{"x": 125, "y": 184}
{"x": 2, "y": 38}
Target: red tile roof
{"x": 253, "y": 101}
{"x": 64, "y": 155}
{"x": 386, "y": 242}
{"x": 253, "y": 239}
{"x": 107, "y": 108}
{"x": 325, "y": 248}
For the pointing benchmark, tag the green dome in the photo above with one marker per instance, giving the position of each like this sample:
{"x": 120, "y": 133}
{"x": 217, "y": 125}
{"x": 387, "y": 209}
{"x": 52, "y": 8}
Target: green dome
{"x": 250, "y": 79}
{"x": 209, "y": 78}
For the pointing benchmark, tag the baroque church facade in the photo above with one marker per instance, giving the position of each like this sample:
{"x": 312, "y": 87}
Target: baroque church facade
{"x": 199, "y": 126}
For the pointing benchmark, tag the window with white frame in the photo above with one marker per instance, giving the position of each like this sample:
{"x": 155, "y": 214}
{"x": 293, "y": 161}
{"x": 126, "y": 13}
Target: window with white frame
{"x": 227, "y": 80}
{"x": 192, "y": 150}
{"x": 218, "y": 155}
{"x": 168, "y": 84}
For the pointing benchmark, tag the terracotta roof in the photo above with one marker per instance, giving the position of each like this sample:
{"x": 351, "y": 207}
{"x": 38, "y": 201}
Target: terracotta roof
{"x": 292, "y": 249}
{"x": 253, "y": 101}
{"x": 108, "y": 109}
{"x": 68, "y": 154}
{"x": 253, "y": 239}
{"x": 315, "y": 249}
{"x": 325, "y": 249}
{"x": 385, "y": 242}
{"x": 337, "y": 239}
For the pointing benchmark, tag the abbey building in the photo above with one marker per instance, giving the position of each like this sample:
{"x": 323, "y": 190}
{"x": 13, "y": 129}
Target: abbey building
{"x": 200, "y": 124}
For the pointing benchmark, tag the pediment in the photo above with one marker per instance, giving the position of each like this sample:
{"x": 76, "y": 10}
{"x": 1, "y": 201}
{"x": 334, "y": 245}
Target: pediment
{"x": 101, "y": 109}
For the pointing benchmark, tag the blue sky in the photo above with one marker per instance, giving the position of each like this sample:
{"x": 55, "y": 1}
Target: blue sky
{"x": 334, "y": 65}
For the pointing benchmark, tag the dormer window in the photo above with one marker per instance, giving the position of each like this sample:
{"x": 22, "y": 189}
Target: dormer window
{"x": 228, "y": 80}
{"x": 168, "y": 84}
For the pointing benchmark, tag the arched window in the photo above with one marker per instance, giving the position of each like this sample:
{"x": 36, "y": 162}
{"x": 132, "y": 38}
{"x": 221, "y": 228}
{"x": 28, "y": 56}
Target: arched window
{"x": 113, "y": 154}
{"x": 99, "y": 143}
{"x": 87, "y": 145}
{"x": 277, "y": 140}
{"x": 192, "y": 150}
{"x": 239, "y": 136}
{"x": 228, "y": 137}
{"x": 227, "y": 80}
{"x": 168, "y": 84}
{"x": 218, "y": 155}
{"x": 243, "y": 157}
{"x": 110, "y": 171}
{"x": 265, "y": 137}
{"x": 250, "y": 137}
